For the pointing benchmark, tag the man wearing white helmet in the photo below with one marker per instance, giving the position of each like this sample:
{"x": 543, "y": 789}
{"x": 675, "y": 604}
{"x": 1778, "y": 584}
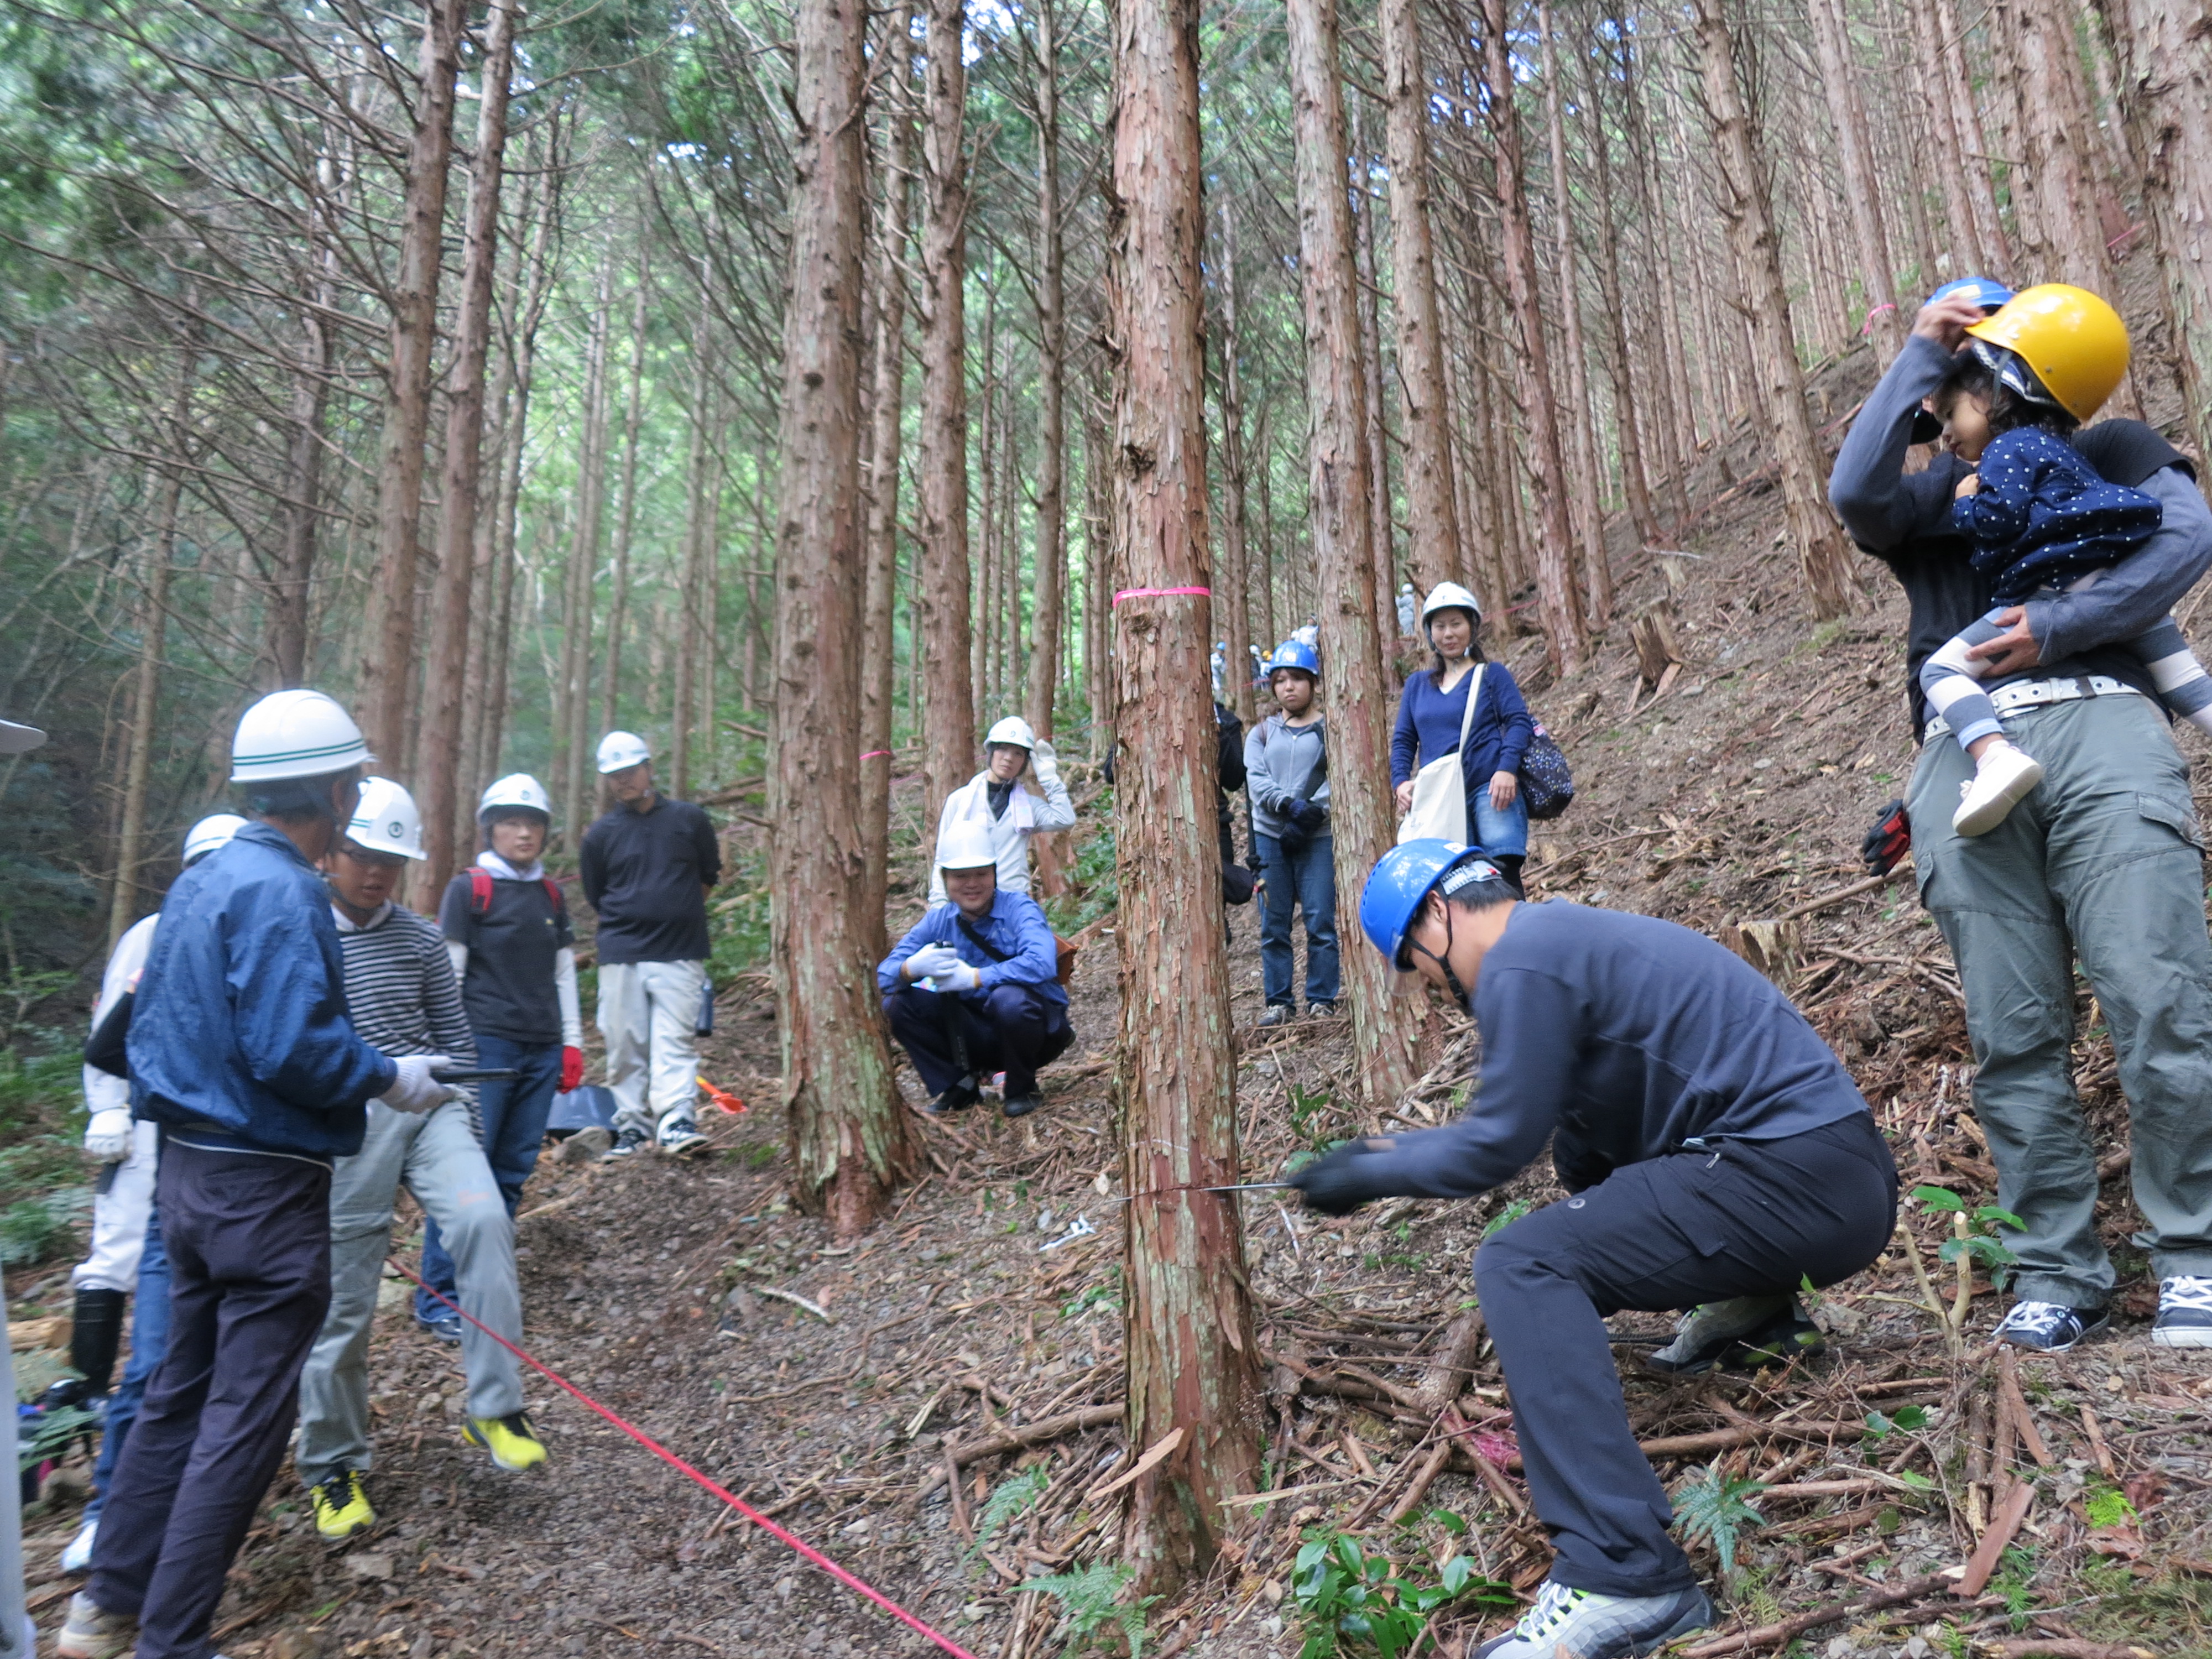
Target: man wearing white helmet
{"x": 400, "y": 982}
{"x": 240, "y": 1048}
{"x": 126, "y": 1249}
{"x": 974, "y": 987}
{"x": 994, "y": 801}
{"x": 507, "y": 930}
{"x": 648, "y": 865}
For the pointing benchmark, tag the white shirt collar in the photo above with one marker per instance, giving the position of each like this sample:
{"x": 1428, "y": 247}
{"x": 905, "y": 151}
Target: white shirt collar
{"x": 347, "y": 925}
{"x": 499, "y": 866}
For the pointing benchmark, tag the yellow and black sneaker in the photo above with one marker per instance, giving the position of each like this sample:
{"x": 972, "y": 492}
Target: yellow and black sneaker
{"x": 512, "y": 1443}
{"x": 341, "y": 1506}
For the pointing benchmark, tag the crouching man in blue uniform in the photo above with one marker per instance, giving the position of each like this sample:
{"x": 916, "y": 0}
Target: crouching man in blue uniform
{"x": 1717, "y": 1154}
{"x": 974, "y": 987}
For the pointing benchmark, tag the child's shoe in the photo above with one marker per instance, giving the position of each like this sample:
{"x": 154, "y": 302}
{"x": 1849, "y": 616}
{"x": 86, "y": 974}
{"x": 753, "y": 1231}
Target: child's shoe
{"x": 2003, "y": 778}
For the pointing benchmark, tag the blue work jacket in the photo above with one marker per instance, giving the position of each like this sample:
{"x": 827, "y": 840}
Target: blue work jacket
{"x": 1016, "y": 928}
{"x": 241, "y": 1026}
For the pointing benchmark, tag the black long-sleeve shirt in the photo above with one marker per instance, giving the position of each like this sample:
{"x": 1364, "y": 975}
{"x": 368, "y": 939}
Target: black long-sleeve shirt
{"x": 1624, "y": 1037}
{"x": 646, "y": 874}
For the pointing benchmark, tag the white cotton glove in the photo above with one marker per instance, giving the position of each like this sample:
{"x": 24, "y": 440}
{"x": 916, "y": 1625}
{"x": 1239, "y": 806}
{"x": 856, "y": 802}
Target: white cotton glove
{"x": 108, "y": 1136}
{"x": 415, "y": 1089}
{"x": 931, "y": 960}
{"x": 958, "y": 977}
{"x": 1045, "y": 761}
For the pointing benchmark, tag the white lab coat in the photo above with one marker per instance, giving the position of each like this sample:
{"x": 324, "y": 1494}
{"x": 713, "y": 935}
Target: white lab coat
{"x": 1026, "y": 815}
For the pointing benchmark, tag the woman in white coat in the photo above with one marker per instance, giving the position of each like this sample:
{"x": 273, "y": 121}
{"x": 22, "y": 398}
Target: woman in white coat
{"x": 995, "y": 800}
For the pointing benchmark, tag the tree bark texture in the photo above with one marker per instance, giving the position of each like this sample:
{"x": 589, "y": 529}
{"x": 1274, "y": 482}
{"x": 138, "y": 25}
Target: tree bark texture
{"x": 1567, "y": 637}
{"x": 574, "y": 706}
{"x": 1354, "y": 677}
{"x": 1589, "y": 513}
{"x": 146, "y": 698}
{"x": 453, "y": 619}
{"x": 626, "y": 519}
{"x": 1192, "y": 1353}
{"x": 1626, "y": 420}
{"x": 1434, "y": 554}
{"x": 698, "y": 515}
{"x": 849, "y": 1137}
{"x": 1232, "y": 576}
{"x": 1745, "y": 205}
{"x": 2164, "y": 57}
{"x": 1839, "y": 79}
{"x": 388, "y": 675}
{"x": 948, "y": 687}
{"x": 1052, "y": 391}
{"x": 886, "y": 409}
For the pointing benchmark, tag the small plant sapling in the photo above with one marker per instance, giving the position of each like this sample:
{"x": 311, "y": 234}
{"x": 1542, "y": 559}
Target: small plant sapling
{"x": 1716, "y": 1507}
{"x": 1089, "y": 1600}
{"x": 1973, "y": 1240}
{"x": 1009, "y": 1499}
{"x": 1347, "y": 1597}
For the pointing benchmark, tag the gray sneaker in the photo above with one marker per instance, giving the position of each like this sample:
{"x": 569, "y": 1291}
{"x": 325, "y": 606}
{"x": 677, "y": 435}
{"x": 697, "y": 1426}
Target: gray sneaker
{"x": 1574, "y": 1623}
{"x": 90, "y": 1633}
{"x": 680, "y": 1139}
{"x": 1756, "y": 1329}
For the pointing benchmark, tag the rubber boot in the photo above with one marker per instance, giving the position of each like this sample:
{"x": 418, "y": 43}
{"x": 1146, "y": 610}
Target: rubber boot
{"x": 95, "y": 1333}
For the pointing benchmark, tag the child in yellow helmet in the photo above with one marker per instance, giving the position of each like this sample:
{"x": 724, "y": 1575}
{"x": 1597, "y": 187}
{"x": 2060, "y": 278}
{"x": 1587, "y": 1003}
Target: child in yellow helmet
{"x": 2040, "y": 518}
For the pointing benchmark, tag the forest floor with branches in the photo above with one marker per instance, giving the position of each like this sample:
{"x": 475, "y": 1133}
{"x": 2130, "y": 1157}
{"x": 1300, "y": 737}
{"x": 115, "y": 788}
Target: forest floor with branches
{"x": 1833, "y": 1499}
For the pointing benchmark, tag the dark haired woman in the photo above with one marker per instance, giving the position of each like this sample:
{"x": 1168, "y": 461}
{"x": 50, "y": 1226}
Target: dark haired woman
{"x": 1434, "y": 719}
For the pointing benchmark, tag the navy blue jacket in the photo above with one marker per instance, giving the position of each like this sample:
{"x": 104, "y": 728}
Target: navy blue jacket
{"x": 240, "y": 1023}
{"x": 1016, "y": 928}
{"x": 2043, "y": 516}
{"x": 1624, "y": 1037}
{"x": 1428, "y": 726}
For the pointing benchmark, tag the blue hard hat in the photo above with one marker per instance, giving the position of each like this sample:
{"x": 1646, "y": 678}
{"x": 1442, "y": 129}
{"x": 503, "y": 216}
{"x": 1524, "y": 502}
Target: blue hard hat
{"x": 1985, "y": 291}
{"x": 1400, "y": 883}
{"x": 1295, "y": 653}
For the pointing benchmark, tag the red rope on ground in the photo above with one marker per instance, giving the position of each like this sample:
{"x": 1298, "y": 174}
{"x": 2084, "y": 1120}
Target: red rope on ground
{"x": 677, "y": 1463}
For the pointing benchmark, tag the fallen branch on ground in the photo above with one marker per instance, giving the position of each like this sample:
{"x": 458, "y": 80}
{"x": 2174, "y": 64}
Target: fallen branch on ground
{"x": 1029, "y": 1434}
{"x": 1767, "y": 1636}
{"x": 797, "y": 1301}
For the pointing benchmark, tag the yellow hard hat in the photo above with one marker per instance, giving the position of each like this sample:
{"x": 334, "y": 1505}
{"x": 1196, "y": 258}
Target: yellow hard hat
{"x": 2074, "y": 343}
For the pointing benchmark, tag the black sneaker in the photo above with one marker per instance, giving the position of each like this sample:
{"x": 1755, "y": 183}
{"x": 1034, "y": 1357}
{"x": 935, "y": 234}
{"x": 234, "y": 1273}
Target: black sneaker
{"x": 2051, "y": 1327}
{"x": 1321, "y": 1010}
{"x": 958, "y": 1098}
{"x": 629, "y": 1142}
{"x": 685, "y": 1141}
{"x": 1279, "y": 1013}
{"x": 2184, "y": 1312}
{"x": 1022, "y": 1105}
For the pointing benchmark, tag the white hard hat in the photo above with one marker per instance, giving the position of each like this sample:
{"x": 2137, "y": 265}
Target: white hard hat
{"x": 1011, "y": 730}
{"x": 966, "y": 846}
{"x": 1450, "y": 596}
{"x": 620, "y": 750}
{"x": 518, "y": 789}
{"x": 211, "y": 833}
{"x": 1407, "y": 588}
{"x": 387, "y": 821}
{"x": 294, "y": 734}
{"x": 16, "y": 739}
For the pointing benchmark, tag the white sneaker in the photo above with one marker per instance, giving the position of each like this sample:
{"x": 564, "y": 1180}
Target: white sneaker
{"x": 2001, "y": 779}
{"x": 78, "y": 1556}
{"x": 1575, "y": 1623}
{"x": 2184, "y": 1312}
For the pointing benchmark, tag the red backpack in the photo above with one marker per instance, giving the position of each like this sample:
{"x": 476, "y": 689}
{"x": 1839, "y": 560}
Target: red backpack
{"x": 480, "y": 892}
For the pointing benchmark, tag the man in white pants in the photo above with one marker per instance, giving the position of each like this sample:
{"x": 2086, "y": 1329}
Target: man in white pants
{"x": 648, "y": 865}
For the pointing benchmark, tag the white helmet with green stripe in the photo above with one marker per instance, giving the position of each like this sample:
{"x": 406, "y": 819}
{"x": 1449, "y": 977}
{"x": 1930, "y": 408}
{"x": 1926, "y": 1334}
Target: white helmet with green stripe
{"x": 294, "y": 734}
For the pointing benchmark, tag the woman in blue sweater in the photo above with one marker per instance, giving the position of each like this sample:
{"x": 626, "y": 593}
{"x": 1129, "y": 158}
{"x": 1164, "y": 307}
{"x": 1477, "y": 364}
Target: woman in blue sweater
{"x": 1432, "y": 709}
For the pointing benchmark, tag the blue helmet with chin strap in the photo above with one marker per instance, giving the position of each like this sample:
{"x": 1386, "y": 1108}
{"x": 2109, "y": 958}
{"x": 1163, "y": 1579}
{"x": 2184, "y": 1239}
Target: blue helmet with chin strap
{"x": 1296, "y": 653}
{"x": 1990, "y": 296}
{"x": 1401, "y": 881}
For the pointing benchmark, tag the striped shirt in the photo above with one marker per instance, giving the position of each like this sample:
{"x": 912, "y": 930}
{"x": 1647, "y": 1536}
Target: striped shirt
{"x": 400, "y": 984}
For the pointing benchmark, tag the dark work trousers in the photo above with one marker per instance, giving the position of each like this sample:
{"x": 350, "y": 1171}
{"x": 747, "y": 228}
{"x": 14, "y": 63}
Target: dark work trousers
{"x": 249, "y": 1245}
{"x": 1747, "y": 1217}
{"x": 1013, "y": 1028}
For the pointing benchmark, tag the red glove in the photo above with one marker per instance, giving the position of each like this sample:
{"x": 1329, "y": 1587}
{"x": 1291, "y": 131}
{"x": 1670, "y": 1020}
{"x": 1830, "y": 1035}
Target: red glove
{"x": 572, "y": 1069}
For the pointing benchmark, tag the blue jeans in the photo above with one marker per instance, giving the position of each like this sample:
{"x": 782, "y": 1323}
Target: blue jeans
{"x": 1503, "y": 835}
{"x": 514, "y": 1114}
{"x": 150, "y": 1340}
{"x": 1307, "y": 879}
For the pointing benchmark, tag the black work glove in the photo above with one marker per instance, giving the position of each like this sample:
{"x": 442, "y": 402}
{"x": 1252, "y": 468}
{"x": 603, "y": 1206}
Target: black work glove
{"x": 1308, "y": 816}
{"x": 1890, "y": 840}
{"x": 1345, "y": 1179}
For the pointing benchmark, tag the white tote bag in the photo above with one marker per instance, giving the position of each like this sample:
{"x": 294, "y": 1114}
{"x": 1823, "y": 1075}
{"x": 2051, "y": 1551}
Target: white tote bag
{"x": 1439, "y": 808}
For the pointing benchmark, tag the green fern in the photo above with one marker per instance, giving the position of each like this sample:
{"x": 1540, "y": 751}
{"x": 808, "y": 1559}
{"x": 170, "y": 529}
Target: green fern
{"x": 1009, "y": 1500}
{"x": 1717, "y": 1508}
{"x": 1090, "y": 1600}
